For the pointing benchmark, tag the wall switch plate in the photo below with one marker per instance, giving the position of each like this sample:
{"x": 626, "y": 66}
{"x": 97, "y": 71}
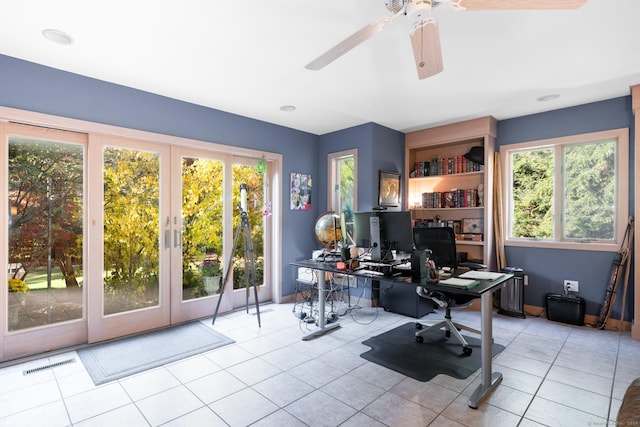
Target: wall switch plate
{"x": 571, "y": 286}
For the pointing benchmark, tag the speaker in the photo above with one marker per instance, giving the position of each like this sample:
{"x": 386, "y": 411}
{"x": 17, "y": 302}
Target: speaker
{"x": 565, "y": 309}
{"x": 401, "y": 298}
{"x": 418, "y": 266}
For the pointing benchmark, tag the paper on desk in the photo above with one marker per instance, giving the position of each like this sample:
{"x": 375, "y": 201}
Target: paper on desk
{"x": 481, "y": 275}
{"x": 459, "y": 283}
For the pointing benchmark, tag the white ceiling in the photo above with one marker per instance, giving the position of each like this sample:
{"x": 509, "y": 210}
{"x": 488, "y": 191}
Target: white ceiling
{"x": 248, "y": 57}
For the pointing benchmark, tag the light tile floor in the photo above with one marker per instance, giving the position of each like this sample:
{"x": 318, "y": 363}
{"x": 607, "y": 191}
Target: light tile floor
{"x": 553, "y": 374}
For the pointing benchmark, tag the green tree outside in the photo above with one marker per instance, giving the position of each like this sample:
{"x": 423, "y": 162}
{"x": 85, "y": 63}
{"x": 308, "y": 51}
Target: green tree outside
{"x": 587, "y": 182}
{"x": 46, "y": 196}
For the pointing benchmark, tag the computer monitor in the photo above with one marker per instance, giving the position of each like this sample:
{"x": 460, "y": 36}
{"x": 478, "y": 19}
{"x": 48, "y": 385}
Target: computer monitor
{"x": 361, "y": 230}
{"x": 383, "y": 232}
{"x": 397, "y": 230}
{"x": 441, "y": 241}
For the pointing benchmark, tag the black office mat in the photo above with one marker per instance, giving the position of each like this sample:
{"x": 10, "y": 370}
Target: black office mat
{"x": 398, "y": 350}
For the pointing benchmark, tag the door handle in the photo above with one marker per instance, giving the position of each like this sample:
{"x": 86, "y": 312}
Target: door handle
{"x": 176, "y": 238}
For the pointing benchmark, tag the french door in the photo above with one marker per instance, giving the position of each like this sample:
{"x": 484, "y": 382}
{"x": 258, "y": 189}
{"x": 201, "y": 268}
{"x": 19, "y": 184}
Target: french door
{"x": 109, "y": 236}
{"x": 44, "y": 246}
{"x": 130, "y": 237}
{"x": 205, "y": 197}
{"x": 168, "y": 236}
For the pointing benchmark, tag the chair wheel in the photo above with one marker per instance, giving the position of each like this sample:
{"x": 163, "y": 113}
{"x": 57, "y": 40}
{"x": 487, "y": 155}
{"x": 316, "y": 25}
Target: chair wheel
{"x": 419, "y": 339}
{"x": 418, "y": 325}
{"x": 467, "y": 351}
{"x": 447, "y": 334}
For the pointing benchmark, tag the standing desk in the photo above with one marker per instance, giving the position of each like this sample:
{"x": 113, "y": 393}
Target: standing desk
{"x": 484, "y": 291}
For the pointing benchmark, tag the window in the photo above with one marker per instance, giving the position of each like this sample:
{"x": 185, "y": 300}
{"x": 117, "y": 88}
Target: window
{"x": 343, "y": 171}
{"x": 568, "y": 192}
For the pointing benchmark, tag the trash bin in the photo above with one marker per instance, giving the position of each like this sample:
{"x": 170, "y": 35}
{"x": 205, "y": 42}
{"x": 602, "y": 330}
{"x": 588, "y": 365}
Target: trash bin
{"x": 512, "y": 293}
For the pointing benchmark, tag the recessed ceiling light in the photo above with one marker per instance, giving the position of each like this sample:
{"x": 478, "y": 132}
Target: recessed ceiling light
{"x": 57, "y": 36}
{"x": 548, "y": 97}
{"x": 288, "y": 108}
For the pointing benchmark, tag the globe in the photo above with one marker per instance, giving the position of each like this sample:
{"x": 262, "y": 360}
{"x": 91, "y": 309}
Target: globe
{"x": 327, "y": 229}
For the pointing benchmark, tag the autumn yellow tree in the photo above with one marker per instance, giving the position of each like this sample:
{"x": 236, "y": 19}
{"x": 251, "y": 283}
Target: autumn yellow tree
{"x": 131, "y": 220}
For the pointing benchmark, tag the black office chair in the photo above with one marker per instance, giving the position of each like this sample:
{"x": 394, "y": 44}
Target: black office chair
{"x": 442, "y": 243}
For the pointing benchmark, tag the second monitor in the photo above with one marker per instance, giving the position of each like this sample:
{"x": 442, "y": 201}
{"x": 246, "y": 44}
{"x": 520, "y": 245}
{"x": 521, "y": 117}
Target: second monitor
{"x": 383, "y": 232}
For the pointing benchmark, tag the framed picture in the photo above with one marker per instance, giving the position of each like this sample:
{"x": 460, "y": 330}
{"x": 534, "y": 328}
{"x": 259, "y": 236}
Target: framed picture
{"x": 389, "y": 189}
{"x": 300, "y": 191}
{"x": 472, "y": 225}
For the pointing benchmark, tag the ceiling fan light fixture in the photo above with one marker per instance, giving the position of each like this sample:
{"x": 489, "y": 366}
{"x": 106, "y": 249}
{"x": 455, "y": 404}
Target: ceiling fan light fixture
{"x": 394, "y": 6}
{"x": 418, "y": 11}
{"x": 57, "y": 36}
{"x": 425, "y": 43}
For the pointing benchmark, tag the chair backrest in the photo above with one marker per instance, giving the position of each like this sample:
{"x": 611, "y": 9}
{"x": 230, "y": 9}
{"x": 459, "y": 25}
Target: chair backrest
{"x": 442, "y": 243}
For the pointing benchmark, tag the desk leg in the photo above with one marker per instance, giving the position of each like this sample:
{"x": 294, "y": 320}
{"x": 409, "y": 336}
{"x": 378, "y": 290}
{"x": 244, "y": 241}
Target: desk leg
{"x": 322, "y": 327}
{"x": 488, "y": 380}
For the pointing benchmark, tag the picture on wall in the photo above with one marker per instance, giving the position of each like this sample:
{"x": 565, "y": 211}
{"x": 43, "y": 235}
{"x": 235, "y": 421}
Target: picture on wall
{"x": 300, "y": 191}
{"x": 389, "y": 189}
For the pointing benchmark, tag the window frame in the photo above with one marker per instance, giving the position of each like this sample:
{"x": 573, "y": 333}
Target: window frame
{"x": 333, "y": 192}
{"x": 621, "y": 136}
{"x": 333, "y": 182}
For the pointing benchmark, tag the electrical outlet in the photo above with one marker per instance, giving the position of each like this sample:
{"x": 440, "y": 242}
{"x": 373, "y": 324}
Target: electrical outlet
{"x": 571, "y": 286}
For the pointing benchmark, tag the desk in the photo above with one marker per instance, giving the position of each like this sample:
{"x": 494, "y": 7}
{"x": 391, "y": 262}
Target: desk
{"x": 488, "y": 379}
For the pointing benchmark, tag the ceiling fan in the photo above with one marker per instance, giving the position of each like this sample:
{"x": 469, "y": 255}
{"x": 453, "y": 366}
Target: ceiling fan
{"x": 424, "y": 33}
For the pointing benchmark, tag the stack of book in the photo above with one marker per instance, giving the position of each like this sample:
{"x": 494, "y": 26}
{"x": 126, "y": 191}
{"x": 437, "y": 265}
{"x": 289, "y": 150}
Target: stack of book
{"x": 446, "y": 166}
{"x": 451, "y": 199}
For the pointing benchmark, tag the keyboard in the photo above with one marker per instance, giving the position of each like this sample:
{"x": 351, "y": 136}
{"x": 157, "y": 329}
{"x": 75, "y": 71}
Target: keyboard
{"x": 365, "y": 272}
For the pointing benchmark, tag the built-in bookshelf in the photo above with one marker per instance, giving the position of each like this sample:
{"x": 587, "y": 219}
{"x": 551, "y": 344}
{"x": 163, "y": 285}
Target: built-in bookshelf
{"x": 446, "y": 188}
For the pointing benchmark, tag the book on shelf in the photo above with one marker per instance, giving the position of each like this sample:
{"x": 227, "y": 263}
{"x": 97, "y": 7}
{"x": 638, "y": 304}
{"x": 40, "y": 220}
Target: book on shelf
{"x": 431, "y": 223}
{"x": 467, "y": 198}
{"x": 446, "y": 166}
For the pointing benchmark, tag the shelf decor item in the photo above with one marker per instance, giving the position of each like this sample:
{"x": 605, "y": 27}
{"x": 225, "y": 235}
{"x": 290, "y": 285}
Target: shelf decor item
{"x": 389, "y": 189}
{"x": 471, "y": 226}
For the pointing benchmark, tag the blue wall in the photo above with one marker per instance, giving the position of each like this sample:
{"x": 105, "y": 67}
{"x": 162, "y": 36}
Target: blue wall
{"x": 33, "y": 87}
{"x": 379, "y": 148}
{"x": 547, "y": 268}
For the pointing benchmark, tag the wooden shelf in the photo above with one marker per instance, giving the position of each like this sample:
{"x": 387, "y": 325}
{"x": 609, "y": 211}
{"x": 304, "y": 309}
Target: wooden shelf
{"x": 450, "y": 141}
{"x": 447, "y": 209}
{"x": 452, "y": 175}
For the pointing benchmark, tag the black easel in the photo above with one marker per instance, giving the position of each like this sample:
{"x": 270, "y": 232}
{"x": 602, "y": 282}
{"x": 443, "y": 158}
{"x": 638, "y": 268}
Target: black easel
{"x": 244, "y": 228}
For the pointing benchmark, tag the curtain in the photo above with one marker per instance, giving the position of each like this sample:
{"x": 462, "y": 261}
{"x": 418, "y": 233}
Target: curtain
{"x": 501, "y": 261}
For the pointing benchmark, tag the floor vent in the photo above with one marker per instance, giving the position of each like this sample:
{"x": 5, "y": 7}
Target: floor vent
{"x": 49, "y": 366}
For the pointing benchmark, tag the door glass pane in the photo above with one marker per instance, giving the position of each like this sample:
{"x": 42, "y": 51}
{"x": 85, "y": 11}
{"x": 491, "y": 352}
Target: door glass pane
{"x": 131, "y": 229}
{"x": 202, "y": 267}
{"x": 45, "y": 232}
{"x": 255, "y": 208}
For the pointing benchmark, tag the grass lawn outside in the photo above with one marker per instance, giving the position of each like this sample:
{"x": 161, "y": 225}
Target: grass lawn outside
{"x": 37, "y": 279}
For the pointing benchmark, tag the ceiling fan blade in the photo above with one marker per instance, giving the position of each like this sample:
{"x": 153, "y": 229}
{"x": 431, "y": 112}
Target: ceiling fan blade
{"x": 350, "y": 42}
{"x": 425, "y": 40}
{"x": 517, "y": 4}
